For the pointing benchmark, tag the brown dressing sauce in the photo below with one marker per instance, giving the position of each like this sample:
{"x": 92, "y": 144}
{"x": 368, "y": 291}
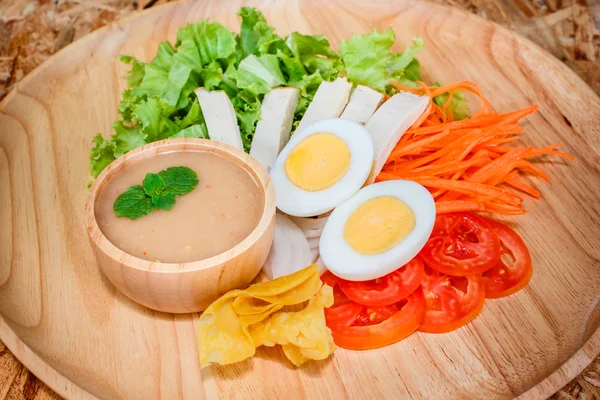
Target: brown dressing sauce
{"x": 218, "y": 214}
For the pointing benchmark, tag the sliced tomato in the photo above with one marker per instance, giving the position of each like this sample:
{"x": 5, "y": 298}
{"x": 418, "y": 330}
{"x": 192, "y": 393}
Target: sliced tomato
{"x": 505, "y": 279}
{"x": 451, "y": 301}
{"x": 329, "y": 279}
{"x": 344, "y": 311}
{"x": 358, "y": 327}
{"x": 386, "y": 290}
{"x": 461, "y": 244}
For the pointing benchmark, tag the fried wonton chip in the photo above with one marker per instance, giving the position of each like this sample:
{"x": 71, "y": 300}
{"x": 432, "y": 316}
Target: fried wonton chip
{"x": 251, "y": 319}
{"x": 224, "y": 335}
{"x": 222, "y": 338}
{"x": 303, "y": 334}
{"x": 301, "y": 284}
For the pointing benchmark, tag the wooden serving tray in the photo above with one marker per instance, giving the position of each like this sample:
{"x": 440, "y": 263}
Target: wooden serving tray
{"x": 70, "y": 327}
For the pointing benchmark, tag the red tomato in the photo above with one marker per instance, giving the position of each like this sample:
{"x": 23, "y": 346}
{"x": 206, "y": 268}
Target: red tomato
{"x": 329, "y": 279}
{"x": 344, "y": 311}
{"x": 461, "y": 244}
{"x": 359, "y": 327}
{"x": 451, "y": 301}
{"x": 503, "y": 280}
{"x": 386, "y": 290}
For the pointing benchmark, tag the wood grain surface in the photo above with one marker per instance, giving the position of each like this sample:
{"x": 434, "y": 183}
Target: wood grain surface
{"x": 83, "y": 338}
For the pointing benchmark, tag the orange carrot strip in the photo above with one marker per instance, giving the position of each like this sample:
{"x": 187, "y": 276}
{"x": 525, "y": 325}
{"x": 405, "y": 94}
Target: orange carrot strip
{"x": 523, "y": 187}
{"x": 443, "y": 207}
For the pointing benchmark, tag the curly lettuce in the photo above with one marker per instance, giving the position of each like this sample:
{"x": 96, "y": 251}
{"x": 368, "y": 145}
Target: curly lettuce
{"x": 160, "y": 102}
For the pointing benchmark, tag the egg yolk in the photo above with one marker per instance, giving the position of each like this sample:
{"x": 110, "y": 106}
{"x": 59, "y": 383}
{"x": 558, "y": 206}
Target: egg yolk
{"x": 318, "y": 162}
{"x": 378, "y": 225}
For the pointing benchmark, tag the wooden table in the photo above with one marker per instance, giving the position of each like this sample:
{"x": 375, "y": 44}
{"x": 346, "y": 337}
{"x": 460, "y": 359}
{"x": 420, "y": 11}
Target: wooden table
{"x": 32, "y": 30}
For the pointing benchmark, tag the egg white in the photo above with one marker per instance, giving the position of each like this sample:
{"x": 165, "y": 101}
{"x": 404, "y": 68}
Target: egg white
{"x": 343, "y": 261}
{"x": 302, "y": 203}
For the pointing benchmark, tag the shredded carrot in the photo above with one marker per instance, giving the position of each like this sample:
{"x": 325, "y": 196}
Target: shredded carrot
{"x": 471, "y": 164}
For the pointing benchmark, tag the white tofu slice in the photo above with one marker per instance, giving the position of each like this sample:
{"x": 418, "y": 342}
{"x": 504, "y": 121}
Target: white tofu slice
{"x": 329, "y": 102}
{"x": 273, "y": 130}
{"x": 363, "y": 103}
{"x": 220, "y": 118}
{"x": 389, "y": 123}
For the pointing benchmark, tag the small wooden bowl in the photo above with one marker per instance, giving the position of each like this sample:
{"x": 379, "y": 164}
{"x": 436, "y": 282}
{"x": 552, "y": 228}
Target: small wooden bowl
{"x": 191, "y": 286}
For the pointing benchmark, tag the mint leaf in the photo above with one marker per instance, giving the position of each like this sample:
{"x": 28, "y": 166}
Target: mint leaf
{"x": 133, "y": 203}
{"x": 165, "y": 201}
{"x": 179, "y": 180}
{"x": 153, "y": 185}
{"x": 158, "y": 191}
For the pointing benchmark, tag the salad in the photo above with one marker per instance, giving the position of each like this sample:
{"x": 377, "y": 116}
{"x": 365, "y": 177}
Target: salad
{"x": 389, "y": 189}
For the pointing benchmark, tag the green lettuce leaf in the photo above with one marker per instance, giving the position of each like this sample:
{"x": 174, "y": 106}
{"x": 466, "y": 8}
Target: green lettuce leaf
{"x": 212, "y": 40}
{"x": 103, "y": 153}
{"x": 137, "y": 71}
{"x": 194, "y": 131}
{"x": 458, "y": 105}
{"x": 314, "y": 54}
{"x": 305, "y": 45}
{"x": 192, "y": 117}
{"x": 153, "y": 115}
{"x": 260, "y": 74}
{"x": 255, "y": 34}
{"x": 126, "y": 138}
{"x": 413, "y": 71}
{"x": 293, "y": 68}
{"x": 397, "y": 62}
{"x": 365, "y": 58}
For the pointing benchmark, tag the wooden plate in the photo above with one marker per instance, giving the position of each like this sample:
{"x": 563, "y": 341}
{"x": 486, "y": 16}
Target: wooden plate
{"x": 66, "y": 323}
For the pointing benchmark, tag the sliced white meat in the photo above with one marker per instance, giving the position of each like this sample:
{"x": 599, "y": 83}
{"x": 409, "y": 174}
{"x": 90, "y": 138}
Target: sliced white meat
{"x": 290, "y": 251}
{"x": 389, "y": 123}
{"x": 313, "y": 243}
{"x": 363, "y": 103}
{"x": 329, "y": 102}
{"x": 273, "y": 130}
{"x": 220, "y": 118}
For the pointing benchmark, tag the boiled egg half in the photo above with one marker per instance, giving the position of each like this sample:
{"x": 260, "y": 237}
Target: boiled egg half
{"x": 378, "y": 230}
{"x": 321, "y": 167}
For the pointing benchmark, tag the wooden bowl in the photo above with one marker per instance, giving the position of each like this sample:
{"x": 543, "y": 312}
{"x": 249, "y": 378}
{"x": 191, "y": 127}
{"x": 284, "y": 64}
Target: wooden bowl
{"x": 74, "y": 330}
{"x": 191, "y": 286}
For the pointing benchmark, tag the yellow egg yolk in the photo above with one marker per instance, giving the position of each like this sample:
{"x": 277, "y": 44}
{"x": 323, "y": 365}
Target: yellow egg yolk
{"x": 318, "y": 162}
{"x": 378, "y": 225}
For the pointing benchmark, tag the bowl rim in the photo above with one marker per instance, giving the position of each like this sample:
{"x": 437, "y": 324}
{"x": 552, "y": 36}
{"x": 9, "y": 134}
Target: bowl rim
{"x": 176, "y": 145}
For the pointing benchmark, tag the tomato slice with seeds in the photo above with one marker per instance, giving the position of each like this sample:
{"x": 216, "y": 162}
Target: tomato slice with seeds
{"x": 344, "y": 311}
{"x": 451, "y": 301}
{"x": 358, "y": 327}
{"x": 461, "y": 244}
{"x": 505, "y": 279}
{"x": 388, "y": 289}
